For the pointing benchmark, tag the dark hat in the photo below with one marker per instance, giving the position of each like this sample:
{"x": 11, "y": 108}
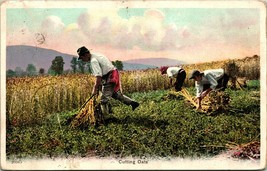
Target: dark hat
{"x": 82, "y": 50}
{"x": 194, "y": 73}
{"x": 163, "y": 69}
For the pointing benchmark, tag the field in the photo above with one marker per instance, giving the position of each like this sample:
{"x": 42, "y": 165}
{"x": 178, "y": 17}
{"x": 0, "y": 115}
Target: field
{"x": 160, "y": 127}
{"x": 39, "y": 108}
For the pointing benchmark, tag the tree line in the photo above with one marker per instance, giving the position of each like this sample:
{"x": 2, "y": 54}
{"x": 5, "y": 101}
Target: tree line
{"x": 57, "y": 68}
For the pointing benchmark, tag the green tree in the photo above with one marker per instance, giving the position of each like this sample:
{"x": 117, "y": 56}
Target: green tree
{"x": 10, "y": 73}
{"x": 81, "y": 66}
{"x": 74, "y": 64}
{"x": 58, "y": 65}
{"x": 20, "y": 72}
{"x": 51, "y": 72}
{"x": 31, "y": 70}
{"x": 118, "y": 64}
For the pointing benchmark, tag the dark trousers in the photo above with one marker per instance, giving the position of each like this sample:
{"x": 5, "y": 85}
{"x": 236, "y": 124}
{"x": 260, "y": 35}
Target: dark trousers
{"x": 180, "y": 80}
{"x": 222, "y": 83}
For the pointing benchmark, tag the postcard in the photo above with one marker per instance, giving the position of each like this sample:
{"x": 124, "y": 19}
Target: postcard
{"x": 145, "y": 85}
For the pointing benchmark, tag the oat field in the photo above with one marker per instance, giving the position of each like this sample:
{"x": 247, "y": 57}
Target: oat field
{"x": 38, "y": 109}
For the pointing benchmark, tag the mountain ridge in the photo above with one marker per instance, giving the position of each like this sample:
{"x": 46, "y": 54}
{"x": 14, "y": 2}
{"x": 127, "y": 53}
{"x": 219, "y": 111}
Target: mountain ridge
{"x": 158, "y": 62}
{"x": 22, "y": 55}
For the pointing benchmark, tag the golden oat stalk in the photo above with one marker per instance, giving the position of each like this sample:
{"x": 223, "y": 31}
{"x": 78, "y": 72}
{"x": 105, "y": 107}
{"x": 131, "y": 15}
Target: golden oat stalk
{"x": 188, "y": 97}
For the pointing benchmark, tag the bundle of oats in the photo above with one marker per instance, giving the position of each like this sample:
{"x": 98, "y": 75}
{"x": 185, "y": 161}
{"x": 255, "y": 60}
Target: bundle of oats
{"x": 188, "y": 97}
{"x": 90, "y": 114}
{"x": 217, "y": 101}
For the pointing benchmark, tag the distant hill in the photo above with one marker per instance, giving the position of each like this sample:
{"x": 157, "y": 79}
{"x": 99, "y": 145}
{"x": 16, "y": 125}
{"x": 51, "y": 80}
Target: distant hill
{"x": 22, "y": 55}
{"x": 158, "y": 62}
{"x": 130, "y": 66}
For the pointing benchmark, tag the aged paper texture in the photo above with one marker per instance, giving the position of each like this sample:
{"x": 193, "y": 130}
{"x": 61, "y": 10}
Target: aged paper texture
{"x": 163, "y": 132}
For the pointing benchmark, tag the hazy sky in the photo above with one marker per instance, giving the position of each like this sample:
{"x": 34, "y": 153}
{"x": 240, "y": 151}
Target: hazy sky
{"x": 124, "y": 32}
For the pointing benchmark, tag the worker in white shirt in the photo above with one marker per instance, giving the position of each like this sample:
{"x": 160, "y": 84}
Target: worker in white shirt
{"x": 208, "y": 80}
{"x": 175, "y": 73}
{"x": 106, "y": 75}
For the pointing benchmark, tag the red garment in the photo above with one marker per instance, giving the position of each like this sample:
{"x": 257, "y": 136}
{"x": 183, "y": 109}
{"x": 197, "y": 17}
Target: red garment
{"x": 114, "y": 77}
{"x": 163, "y": 69}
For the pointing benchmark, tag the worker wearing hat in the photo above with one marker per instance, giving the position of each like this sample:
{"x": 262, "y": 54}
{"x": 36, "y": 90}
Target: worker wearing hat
{"x": 107, "y": 75}
{"x": 174, "y": 73}
{"x": 208, "y": 80}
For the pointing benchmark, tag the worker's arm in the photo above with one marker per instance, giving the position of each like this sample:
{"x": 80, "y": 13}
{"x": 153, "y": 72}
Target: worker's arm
{"x": 199, "y": 88}
{"x": 199, "y": 103}
{"x": 213, "y": 84}
{"x": 203, "y": 94}
{"x": 96, "y": 85}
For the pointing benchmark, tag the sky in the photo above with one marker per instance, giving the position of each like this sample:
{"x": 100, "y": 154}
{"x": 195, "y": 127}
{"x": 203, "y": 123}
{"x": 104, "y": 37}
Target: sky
{"x": 123, "y": 32}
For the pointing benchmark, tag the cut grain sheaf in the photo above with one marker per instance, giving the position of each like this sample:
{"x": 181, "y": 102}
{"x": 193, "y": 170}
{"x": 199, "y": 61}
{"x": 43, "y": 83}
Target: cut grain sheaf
{"x": 89, "y": 115}
{"x": 215, "y": 101}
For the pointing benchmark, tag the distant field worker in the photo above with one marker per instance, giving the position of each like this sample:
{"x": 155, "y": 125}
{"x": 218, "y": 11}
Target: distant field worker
{"x": 174, "y": 72}
{"x": 106, "y": 75}
{"x": 207, "y": 81}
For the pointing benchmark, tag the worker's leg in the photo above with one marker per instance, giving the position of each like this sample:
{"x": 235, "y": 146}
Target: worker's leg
{"x": 180, "y": 80}
{"x": 107, "y": 92}
{"x": 222, "y": 82}
{"x": 225, "y": 81}
{"x": 124, "y": 99}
